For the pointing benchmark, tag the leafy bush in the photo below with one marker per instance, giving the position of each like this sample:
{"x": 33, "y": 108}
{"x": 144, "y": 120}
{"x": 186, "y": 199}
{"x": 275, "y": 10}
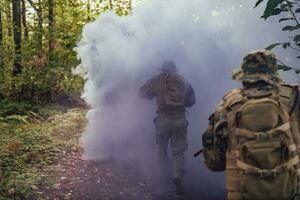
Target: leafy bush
{"x": 16, "y": 108}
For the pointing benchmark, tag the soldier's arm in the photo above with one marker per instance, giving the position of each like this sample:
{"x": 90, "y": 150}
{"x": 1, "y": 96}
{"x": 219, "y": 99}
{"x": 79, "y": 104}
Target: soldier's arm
{"x": 150, "y": 89}
{"x": 190, "y": 96}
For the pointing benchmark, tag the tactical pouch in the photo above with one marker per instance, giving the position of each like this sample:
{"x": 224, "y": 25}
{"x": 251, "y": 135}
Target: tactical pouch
{"x": 266, "y": 166}
{"x": 269, "y": 186}
{"x": 214, "y": 152}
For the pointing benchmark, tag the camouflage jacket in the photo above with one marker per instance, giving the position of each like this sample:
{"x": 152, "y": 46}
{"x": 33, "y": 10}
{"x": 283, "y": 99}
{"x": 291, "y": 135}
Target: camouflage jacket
{"x": 151, "y": 88}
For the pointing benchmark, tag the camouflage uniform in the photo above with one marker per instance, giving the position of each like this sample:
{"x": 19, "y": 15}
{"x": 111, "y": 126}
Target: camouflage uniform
{"x": 223, "y": 140}
{"x": 170, "y": 122}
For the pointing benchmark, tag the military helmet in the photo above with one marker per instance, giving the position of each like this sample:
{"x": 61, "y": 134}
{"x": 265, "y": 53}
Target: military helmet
{"x": 169, "y": 67}
{"x": 258, "y": 66}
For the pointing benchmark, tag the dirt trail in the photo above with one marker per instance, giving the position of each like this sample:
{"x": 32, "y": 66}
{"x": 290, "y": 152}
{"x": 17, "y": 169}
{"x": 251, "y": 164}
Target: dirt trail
{"x": 105, "y": 180}
{"x": 78, "y": 179}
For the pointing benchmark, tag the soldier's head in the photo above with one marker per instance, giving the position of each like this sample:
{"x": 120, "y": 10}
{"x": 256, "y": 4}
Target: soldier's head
{"x": 168, "y": 67}
{"x": 258, "y": 67}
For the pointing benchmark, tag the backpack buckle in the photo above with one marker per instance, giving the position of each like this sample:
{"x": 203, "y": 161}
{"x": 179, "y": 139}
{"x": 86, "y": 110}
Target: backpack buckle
{"x": 263, "y": 136}
{"x": 268, "y": 173}
{"x": 274, "y": 173}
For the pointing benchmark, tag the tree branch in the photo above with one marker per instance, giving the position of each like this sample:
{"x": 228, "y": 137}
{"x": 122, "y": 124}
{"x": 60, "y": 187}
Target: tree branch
{"x": 294, "y": 48}
{"x": 292, "y": 68}
{"x": 291, "y": 11}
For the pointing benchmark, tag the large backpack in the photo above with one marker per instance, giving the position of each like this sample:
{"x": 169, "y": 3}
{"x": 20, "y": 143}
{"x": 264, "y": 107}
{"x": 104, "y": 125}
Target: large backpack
{"x": 262, "y": 160}
{"x": 171, "y": 91}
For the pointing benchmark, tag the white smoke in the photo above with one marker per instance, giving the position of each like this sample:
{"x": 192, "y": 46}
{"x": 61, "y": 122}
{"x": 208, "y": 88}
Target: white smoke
{"x": 206, "y": 39}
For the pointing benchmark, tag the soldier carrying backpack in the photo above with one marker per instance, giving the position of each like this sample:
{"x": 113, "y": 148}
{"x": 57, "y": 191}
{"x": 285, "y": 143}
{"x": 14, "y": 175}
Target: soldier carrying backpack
{"x": 254, "y": 133}
{"x": 173, "y": 94}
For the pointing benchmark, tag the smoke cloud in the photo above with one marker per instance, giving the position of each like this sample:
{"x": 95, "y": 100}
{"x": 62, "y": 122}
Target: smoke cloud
{"x": 206, "y": 39}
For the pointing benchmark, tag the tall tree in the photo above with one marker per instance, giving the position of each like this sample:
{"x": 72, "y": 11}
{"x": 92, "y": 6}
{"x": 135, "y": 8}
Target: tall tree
{"x": 8, "y": 18}
{"x": 17, "y": 34}
{"x": 51, "y": 23}
{"x": 1, "y": 41}
{"x": 24, "y": 20}
{"x": 38, "y": 10}
{"x": 1, "y": 29}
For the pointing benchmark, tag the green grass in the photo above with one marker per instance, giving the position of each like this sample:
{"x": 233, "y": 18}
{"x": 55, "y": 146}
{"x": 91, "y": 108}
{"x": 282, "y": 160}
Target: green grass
{"x": 31, "y": 148}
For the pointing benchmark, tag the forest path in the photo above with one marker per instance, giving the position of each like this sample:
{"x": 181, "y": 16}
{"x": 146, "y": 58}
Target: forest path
{"x": 41, "y": 159}
{"x": 78, "y": 179}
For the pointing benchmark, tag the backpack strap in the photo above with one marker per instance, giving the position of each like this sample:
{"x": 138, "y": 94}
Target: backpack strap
{"x": 289, "y": 96}
{"x": 284, "y": 128}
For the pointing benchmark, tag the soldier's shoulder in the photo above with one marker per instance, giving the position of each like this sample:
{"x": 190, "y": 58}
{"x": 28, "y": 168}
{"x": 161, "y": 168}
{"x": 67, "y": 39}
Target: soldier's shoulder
{"x": 232, "y": 92}
{"x": 288, "y": 90}
{"x": 155, "y": 78}
{"x": 228, "y": 99}
{"x": 289, "y": 96}
{"x": 233, "y": 96}
{"x": 179, "y": 76}
{"x": 288, "y": 85}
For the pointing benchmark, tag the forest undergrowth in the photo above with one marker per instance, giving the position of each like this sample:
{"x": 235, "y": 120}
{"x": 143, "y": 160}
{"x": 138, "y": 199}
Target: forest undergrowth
{"x": 32, "y": 147}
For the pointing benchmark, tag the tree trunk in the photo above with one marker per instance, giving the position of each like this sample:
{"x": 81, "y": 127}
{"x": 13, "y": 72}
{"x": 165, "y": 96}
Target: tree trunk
{"x": 51, "y": 23}
{"x": 9, "y": 18}
{"x": 1, "y": 42}
{"x": 24, "y": 21}
{"x": 16, "y": 8}
{"x": 88, "y": 11}
{"x": 40, "y": 25}
{"x": 1, "y": 30}
{"x": 39, "y": 14}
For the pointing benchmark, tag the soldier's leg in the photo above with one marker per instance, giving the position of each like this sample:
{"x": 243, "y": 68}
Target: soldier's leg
{"x": 162, "y": 139}
{"x": 179, "y": 145}
{"x": 162, "y": 142}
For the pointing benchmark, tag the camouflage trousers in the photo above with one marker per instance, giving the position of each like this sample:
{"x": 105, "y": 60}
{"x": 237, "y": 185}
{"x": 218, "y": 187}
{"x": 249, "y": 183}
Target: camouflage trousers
{"x": 172, "y": 127}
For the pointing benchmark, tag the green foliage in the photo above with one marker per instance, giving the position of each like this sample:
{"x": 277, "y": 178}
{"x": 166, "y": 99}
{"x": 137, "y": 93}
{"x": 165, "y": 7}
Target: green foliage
{"x": 272, "y": 9}
{"x": 272, "y": 46}
{"x": 287, "y": 68}
{"x": 16, "y": 108}
{"x": 29, "y": 152}
{"x": 288, "y": 11}
{"x": 47, "y": 58}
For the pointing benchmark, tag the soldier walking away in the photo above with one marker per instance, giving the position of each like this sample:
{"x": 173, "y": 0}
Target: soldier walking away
{"x": 254, "y": 133}
{"x": 173, "y": 94}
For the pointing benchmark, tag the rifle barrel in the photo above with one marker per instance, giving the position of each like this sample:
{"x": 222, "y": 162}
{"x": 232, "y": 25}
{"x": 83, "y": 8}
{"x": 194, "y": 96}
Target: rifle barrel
{"x": 198, "y": 153}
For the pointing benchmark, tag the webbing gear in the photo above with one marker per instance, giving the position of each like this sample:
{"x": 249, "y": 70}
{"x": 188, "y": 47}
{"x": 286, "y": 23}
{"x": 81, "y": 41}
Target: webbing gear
{"x": 263, "y": 162}
{"x": 296, "y": 100}
{"x": 249, "y": 169}
{"x": 264, "y": 135}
